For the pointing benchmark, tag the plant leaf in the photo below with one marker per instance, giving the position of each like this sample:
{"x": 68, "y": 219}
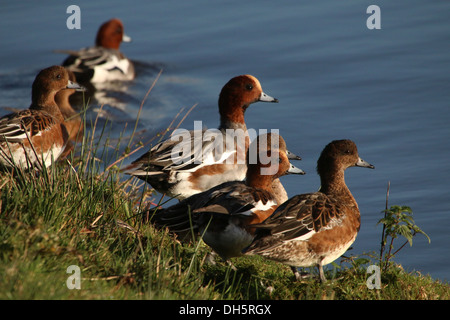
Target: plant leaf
{"x": 405, "y": 231}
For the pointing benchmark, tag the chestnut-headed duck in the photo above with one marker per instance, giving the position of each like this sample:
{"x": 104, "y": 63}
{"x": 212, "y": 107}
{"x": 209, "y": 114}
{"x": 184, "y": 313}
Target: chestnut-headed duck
{"x": 72, "y": 119}
{"x": 202, "y": 165}
{"x": 37, "y": 136}
{"x": 223, "y": 215}
{"x": 103, "y": 62}
{"x": 314, "y": 229}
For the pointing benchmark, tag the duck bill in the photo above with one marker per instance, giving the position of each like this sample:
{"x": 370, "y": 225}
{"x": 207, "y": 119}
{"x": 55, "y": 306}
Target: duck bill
{"x": 364, "y": 164}
{"x": 292, "y": 156}
{"x": 266, "y": 98}
{"x": 294, "y": 170}
{"x": 74, "y": 85}
{"x": 126, "y": 38}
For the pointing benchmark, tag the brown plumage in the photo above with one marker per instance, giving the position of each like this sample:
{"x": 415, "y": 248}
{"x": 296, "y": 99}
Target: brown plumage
{"x": 196, "y": 171}
{"x": 315, "y": 228}
{"x": 110, "y": 34}
{"x": 36, "y": 136}
{"x": 72, "y": 119}
{"x": 222, "y": 214}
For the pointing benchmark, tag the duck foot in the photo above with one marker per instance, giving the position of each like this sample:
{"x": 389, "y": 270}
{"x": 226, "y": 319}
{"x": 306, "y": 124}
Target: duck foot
{"x": 301, "y": 275}
{"x": 306, "y": 275}
{"x": 211, "y": 259}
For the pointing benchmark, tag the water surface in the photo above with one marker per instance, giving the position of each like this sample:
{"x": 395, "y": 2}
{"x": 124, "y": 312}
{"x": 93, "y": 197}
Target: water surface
{"x": 388, "y": 89}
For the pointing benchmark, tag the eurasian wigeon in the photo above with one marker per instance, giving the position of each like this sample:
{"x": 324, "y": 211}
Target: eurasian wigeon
{"x": 37, "y": 136}
{"x": 314, "y": 229}
{"x": 278, "y": 189}
{"x": 223, "y": 215}
{"x": 104, "y": 62}
{"x": 200, "y": 168}
{"x": 72, "y": 119}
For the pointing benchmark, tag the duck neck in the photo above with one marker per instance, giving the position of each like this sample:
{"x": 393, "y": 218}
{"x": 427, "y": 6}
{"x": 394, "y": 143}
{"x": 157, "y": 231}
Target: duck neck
{"x": 236, "y": 137}
{"x": 226, "y": 123}
{"x": 62, "y": 100}
{"x": 46, "y": 102}
{"x": 279, "y": 191}
{"x": 333, "y": 182}
{"x": 255, "y": 179}
{"x": 231, "y": 112}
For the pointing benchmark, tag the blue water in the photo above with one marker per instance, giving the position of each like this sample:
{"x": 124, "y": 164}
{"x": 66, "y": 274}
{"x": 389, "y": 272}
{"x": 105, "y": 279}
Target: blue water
{"x": 388, "y": 89}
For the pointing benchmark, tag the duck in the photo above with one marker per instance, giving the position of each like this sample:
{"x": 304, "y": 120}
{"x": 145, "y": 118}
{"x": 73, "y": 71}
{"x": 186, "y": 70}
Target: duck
{"x": 194, "y": 161}
{"x": 37, "y": 136}
{"x": 314, "y": 229}
{"x": 103, "y": 62}
{"x": 223, "y": 215}
{"x": 72, "y": 119}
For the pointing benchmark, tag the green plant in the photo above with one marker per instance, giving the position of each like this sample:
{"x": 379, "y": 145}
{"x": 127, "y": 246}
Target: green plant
{"x": 397, "y": 221}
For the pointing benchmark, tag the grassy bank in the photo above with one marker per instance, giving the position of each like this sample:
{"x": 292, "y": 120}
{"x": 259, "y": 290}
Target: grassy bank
{"x": 81, "y": 214}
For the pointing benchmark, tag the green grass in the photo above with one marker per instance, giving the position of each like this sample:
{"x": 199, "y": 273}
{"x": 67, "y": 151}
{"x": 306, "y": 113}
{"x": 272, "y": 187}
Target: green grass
{"x": 82, "y": 212}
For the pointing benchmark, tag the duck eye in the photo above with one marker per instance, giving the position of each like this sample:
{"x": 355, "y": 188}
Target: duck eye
{"x": 249, "y": 87}
{"x": 58, "y": 76}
